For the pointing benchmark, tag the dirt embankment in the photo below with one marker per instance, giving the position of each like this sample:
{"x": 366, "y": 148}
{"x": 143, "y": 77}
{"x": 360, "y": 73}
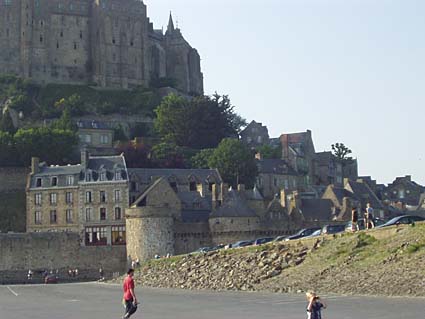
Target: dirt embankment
{"x": 385, "y": 262}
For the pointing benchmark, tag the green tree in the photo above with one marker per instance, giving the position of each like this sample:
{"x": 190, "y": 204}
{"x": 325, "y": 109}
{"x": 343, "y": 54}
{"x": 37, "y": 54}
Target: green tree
{"x": 270, "y": 152}
{"x": 7, "y": 150}
{"x": 73, "y": 104}
{"x": 235, "y": 162}
{"x": 168, "y": 155}
{"x": 6, "y": 123}
{"x": 50, "y": 145}
{"x": 64, "y": 122}
{"x": 200, "y": 159}
{"x": 341, "y": 152}
{"x": 199, "y": 123}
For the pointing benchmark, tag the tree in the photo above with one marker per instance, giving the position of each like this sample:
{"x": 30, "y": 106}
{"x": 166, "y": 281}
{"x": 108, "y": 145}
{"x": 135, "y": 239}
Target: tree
{"x": 168, "y": 155}
{"x": 6, "y": 123}
{"x": 341, "y": 152}
{"x": 270, "y": 152}
{"x": 73, "y": 104}
{"x": 235, "y": 162}
{"x": 200, "y": 159}
{"x": 199, "y": 123}
{"x": 136, "y": 155}
{"x": 64, "y": 122}
{"x": 7, "y": 150}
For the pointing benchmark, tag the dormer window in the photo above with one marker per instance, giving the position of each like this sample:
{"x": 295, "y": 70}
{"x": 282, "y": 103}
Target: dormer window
{"x": 54, "y": 181}
{"x": 38, "y": 182}
{"x": 102, "y": 176}
{"x": 192, "y": 186}
{"x": 118, "y": 176}
{"x": 88, "y": 177}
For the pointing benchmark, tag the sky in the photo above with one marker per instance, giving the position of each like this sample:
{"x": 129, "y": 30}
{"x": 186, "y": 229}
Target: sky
{"x": 352, "y": 71}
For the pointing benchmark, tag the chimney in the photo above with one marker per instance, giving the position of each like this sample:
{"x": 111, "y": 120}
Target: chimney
{"x": 84, "y": 158}
{"x": 409, "y": 178}
{"x": 35, "y": 162}
{"x": 224, "y": 191}
{"x": 346, "y": 180}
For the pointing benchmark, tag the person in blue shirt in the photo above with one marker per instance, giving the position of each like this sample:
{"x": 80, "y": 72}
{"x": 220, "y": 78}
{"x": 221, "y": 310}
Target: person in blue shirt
{"x": 315, "y": 305}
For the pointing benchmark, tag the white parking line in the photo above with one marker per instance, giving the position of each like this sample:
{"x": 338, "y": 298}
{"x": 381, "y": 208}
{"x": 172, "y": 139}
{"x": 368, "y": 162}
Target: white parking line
{"x": 13, "y": 292}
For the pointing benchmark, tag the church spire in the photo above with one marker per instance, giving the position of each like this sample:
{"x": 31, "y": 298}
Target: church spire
{"x": 170, "y": 27}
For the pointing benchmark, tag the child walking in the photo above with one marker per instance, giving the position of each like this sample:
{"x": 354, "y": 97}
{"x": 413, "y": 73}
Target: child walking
{"x": 315, "y": 305}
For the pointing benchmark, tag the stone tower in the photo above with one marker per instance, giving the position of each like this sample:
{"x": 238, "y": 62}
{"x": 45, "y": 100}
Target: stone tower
{"x": 110, "y": 43}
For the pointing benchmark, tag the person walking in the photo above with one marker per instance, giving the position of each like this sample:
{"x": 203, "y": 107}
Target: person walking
{"x": 354, "y": 220}
{"x": 369, "y": 217}
{"x": 129, "y": 298}
{"x": 314, "y": 306}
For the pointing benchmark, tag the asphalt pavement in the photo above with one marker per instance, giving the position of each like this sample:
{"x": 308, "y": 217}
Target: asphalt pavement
{"x": 103, "y": 301}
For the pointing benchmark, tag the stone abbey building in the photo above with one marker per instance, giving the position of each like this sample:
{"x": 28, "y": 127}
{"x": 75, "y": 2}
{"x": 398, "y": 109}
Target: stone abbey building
{"x": 108, "y": 43}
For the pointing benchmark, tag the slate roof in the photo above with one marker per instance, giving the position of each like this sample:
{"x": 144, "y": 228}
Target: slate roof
{"x": 275, "y": 166}
{"x": 193, "y": 216}
{"x": 253, "y": 194}
{"x": 96, "y": 164}
{"x": 324, "y": 158}
{"x": 234, "y": 206}
{"x": 194, "y": 201}
{"x": 147, "y": 175}
{"x": 317, "y": 209}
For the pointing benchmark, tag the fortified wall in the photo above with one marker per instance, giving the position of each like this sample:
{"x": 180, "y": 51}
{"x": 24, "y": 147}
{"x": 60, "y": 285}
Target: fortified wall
{"x": 55, "y": 251}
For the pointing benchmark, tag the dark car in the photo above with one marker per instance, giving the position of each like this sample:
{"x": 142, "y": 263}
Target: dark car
{"x": 403, "y": 220}
{"x": 264, "y": 240}
{"x": 332, "y": 229}
{"x": 203, "y": 250}
{"x": 303, "y": 233}
{"x": 51, "y": 279}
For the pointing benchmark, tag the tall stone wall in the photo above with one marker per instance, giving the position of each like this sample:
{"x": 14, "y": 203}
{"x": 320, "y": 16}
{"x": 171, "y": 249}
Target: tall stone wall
{"x": 13, "y": 179}
{"x": 62, "y": 251}
{"x": 189, "y": 237}
{"x": 12, "y": 198}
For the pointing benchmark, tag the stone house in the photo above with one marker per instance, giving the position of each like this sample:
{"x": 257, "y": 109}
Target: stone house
{"x": 255, "y": 135}
{"x": 329, "y": 170}
{"x": 275, "y": 175}
{"x": 405, "y": 191}
{"x": 89, "y": 198}
{"x": 298, "y": 151}
{"x": 95, "y": 137}
{"x": 354, "y": 194}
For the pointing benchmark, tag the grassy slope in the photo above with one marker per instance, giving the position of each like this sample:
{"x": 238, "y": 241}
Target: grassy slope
{"x": 361, "y": 264}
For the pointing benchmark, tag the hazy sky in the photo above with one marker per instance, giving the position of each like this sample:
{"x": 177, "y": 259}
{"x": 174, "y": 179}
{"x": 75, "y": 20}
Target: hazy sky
{"x": 352, "y": 71}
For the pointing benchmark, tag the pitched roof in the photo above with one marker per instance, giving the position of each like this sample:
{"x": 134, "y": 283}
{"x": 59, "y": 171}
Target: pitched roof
{"x": 317, "y": 209}
{"x": 275, "y": 166}
{"x": 146, "y": 175}
{"x": 234, "y": 206}
{"x": 363, "y": 193}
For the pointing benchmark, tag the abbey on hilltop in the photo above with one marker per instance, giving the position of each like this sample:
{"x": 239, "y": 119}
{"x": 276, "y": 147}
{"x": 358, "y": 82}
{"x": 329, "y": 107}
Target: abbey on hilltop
{"x": 108, "y": 43}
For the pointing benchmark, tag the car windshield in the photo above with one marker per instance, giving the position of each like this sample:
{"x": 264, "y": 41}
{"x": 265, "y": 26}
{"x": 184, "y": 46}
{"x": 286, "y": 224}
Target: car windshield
{"x": 393, "y": 220}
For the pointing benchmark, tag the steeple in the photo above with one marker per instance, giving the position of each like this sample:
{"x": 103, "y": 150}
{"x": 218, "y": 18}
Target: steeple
{"x": 170, "y": 27}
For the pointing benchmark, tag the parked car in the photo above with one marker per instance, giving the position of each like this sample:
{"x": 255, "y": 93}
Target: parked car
{"x": 243, "y": 243}
{"x": 203, "y": 250}
{"x": 314, "y": 234}
{"x": 218, "y": 247}
{"x": 360, "y": 224}
{"x": 280, "y": 238}
{"x": 333, "y": 229}
{"x": 261, "y": 241}
{"x": 404, "y": 219}
{"x": 302, "y": 233}
{"x": 51, "y": 279}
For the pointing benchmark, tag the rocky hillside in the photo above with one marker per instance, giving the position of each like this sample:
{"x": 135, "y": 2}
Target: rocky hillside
{"x": 379, "y": 262}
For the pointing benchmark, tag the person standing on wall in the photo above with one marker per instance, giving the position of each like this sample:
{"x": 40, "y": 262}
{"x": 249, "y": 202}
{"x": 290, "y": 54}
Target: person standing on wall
{"x": 129, "y": 299}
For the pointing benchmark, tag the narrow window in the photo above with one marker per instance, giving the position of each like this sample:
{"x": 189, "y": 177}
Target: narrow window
{"x": 192, "y": 186}
{"x": 53, "y": 217}
{"x": 88, "y": 214}
{"x": 41, "y": 38}
{"x": 54, "y": 181}
{"x": 103, "y": 213}
{"x": 102, "y": 196}
{"x": 117, "y": 195}
{"x": 57, "y": 44}
{"x": 53, "y": 198}
{"x": 88, "y": 197}
{"x": 37, "y": 218}
{"x": 118, "y": 213}
{"x": 81, "y": 34}
{"x": 69, "y": 216}
{"x": 38, "y": 182}
{"x": 75, "y": 45}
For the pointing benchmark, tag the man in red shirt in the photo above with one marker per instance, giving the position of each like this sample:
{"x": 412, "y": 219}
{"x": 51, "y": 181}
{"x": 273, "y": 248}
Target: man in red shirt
{"x": 130, "y": 299}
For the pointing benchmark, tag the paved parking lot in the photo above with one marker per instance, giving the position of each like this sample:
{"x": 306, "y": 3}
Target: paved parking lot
{"x": 103, "y": 301}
